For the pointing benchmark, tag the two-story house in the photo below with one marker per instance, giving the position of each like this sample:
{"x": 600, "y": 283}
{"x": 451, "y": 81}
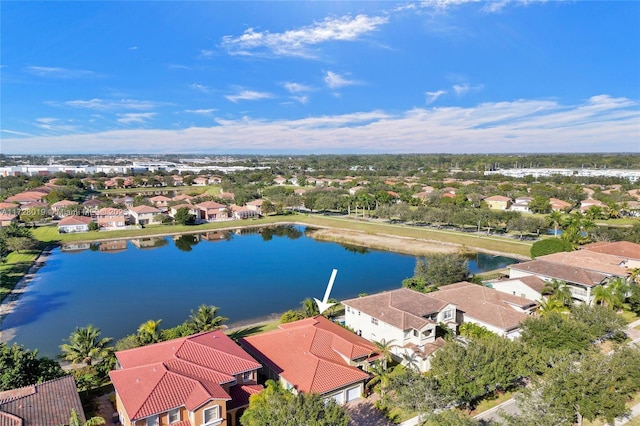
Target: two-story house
{"x": 200, "y": 380}
{"x": 314, "y": 355}
{"x": 407, "y": 319}
{"x": 144, "y": 215}
{"x": 110, "y": 218}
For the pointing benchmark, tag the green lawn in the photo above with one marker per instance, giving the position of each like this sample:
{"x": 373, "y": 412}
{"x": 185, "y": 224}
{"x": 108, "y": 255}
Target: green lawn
{"x": 13, "y": 269}
{"x": 471, "y": 241}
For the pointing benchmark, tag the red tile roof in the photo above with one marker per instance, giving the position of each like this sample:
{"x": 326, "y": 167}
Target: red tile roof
{"x": 310, "y": 354}
{"x": 181, "y": 372}
{"x": 624, "y": 249}
{"x": 589, "y": 261}
{"x": 208, "y": 205}
{"x": 144, "y": 209}
{"x": 43, "y": 404}
{"x": 74, "y": 220}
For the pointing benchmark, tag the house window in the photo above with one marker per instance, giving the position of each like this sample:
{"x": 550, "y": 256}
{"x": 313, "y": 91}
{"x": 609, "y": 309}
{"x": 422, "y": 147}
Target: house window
{"x": 246, "y": 377}
{"x": 415, "y": 332}
{"x": 174, "y": 416}
{"x": 374, "y": 321}
{"x": 153, "y": 421}
{"x": 211, "y": 415}
{"x": 348, "y": 309}
{"x": 447, "y": 314}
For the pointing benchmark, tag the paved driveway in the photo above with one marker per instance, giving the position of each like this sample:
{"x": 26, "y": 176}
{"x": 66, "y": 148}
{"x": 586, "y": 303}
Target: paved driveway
{"x": 363, "y": 413}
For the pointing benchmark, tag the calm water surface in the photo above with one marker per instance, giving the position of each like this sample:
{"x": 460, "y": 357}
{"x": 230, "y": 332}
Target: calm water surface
{"x": 117, "y": 286}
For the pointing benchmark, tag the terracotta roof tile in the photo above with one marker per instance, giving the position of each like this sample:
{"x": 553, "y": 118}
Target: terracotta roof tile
{"x": 588, "y": 260}
{"x": 568, "y": 273}
{"x": 144, "y": 209}
{"x": 306, "y": 353}
{"x": 75, "y": 220}
{"x": 240, "y": 395}
{"x": 47, "y": 403}
{"x": 623, "y": 249}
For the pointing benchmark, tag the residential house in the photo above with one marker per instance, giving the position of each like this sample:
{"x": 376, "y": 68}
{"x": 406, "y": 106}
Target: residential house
{"x": 243, "y": 212}
{"x": 255, "y": 205}
{"x": 92, "y": 205}
{"x": 200, "y": 181}
{"x": 530, "y": 286}
{"x": 7, "y": 219}
{"x": 126, "y": 201}
{"x": 109, "y": 218}
{"x": 144, "y": 215}
{"x": 204, "y": 379}
{"x": 8, "y": 207}
{"x": 628, "y": 252}
{"x": 64, "y": 208}
{"x": 183, "y": 198}
{"x": 43, "y": 404}
{"x": 70, "y": 224}
{"x": 27, "y": 197}
{"x": 210, "y": 211}
{"x": 521, "y": 204}
{"x": 498, "y": 312}
{"x": 192, "y": 209}
{"x": 227, "y": 196}
{"x": 559, "y": 205}
{"x": 589, "y": 202}
{"x": 279, "y": 180}
{"x": 314, "y": 355}
{"x": 407, "y": 318}
{"x": 498, "y": 202}
{"x": 161, "y": 202}
{"x": 215, "y": 180}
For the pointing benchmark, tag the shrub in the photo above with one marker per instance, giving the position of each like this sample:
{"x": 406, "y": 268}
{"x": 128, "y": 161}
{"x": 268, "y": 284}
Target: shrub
{"x": 549, "y": 246}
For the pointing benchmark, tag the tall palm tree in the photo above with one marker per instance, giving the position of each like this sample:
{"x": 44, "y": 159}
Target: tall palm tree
{"x": 85, "y": 345}
{"x": 310, "y": 308}
{"x": 603, "y": 296}
{"x": 385, "y": 348}
{"x": 206, "y": 318}
{"x": 550, "y": 305}
{"x": 555, "y": 218}
{"x": 149, "y": 332}
{"x": 75, "y": 420}
{"x": 381, "y": 376}
{"x": 411, "y": 361}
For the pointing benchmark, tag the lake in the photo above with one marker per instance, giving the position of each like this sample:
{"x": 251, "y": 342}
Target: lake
{"x": 249, "y": 274}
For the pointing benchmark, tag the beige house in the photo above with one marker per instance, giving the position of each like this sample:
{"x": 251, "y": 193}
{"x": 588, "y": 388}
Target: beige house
{"x": 110, "y": 218}
{"x": 498, "y": 202}
{"x": 144, "y": 215}
{"x": 210, "y": 211}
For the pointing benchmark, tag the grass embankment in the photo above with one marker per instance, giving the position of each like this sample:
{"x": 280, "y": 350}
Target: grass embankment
{"x": 480, "y": 242}
{"x": 15, "y": 266}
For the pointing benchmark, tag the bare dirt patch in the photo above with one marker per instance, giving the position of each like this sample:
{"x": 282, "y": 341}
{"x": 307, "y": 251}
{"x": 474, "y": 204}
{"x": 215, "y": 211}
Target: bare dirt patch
{"x": 414, "y": 246}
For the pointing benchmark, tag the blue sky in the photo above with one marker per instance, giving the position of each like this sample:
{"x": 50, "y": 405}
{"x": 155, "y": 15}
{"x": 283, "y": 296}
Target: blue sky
{"x": 441, "y": 76}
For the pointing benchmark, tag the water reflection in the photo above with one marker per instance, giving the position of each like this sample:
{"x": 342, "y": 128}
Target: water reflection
{"x": 187, "y": 241}
{"x": 149, "y": 243}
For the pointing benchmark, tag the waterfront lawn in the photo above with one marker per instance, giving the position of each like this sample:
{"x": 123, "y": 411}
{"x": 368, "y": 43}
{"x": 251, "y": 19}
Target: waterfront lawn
{"x": 13, "y": 269}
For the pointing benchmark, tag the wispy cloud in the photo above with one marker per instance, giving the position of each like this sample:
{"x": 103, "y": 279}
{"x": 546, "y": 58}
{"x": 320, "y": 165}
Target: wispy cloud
{"x": 13, "y": 132}
{"x": 110, "y": 105}
{"x": 335, "y": 81}
{"x": 297, "y": 42}
{"x": 296, "y": 87}
{"x": 206, "y": 53}
{"x": 55, "y": 125}
{"x": 248, "y": 95}
{"x": 201, "y": 111}
{"x": 135, "y": 117}
{"x": 463, "y": 89}
{"x": 431, "y": 97}
{"x": 199, "y": 87}
{"x": 599, "y": 124}
{"x": 56, "y": 72}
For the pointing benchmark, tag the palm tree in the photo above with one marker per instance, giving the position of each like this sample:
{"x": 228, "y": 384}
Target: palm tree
{"x": 555, "y": 218}
{"x": 411, "y": 361}
{"x": 604, "y": 296}
{"x": 309, "y": 308}
{"x": 85, "y": 345}
{"x": 381, "y": 376}
{"x": 552, "y": 305}
{"x": 385, "y": 348}
{"x": 75, "y": 420}
{"x": 149, "y": 332}
{"x": 206, "y": 318}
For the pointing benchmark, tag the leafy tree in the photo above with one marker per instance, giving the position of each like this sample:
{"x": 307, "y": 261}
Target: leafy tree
{"x": 634, "y": 299}
{"x": 469, "y": 329}
{"x": 93, "y": 226}
{"x": 291, "y": 316}
{"x": 22, "y": 367}
{"x": 206, "y": 318}
{"x": 149, "y": 332}
{"x": 417, "y": 393}
{"x": 268, "y": 207}
{"x": 309, "y": 308}
{"x": 536, "y": 411}
{"x": 451, "y": 418}
{"x": 85, "y": 345}
{"x": 556, "y": 332}
{"x": 75, "y": 420}
{"x": 20, "y": 243}
{"x": 549, "y": 246}
{"x": 183, "y": 217}
{"x": 540, "y": 205}
{"x": 602, "y": 322}
{"x": 276, "y": 406}
{"x": 436, "y": 270}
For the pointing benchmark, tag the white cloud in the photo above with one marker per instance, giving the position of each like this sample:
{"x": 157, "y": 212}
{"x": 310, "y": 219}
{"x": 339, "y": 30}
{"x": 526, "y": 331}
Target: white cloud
{"x": 16, "y": 133}
{"x": 336, "y": 81}
{"x": 201, "y": 111}
{"x": 463, "y": 89}
{"x": 298, "y": 41}
{"x": 301, "y": 99}
{"x": 205, "y": 53}
{"x": 135, "y": 117}
{"x": 600, "y": 124}
{"x": 296, "y": 87}
{"x": 199, "y": 87}
{"x": 56, "y": 72}
{"x": 106, "y": 105}
{"x": 433, "y": 96}
{"x": 248, "y": 95}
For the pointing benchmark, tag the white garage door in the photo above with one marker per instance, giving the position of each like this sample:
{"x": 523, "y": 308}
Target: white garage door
{"x": 339, "y": 398}
{"x": 353, "y": 394}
